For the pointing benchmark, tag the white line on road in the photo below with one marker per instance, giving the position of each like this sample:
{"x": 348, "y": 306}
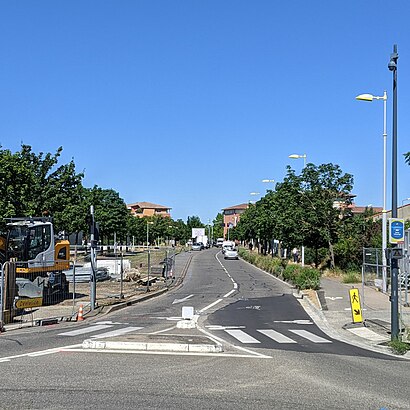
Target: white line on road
{"x": 241, "y": 336}
{"x": 88, "y": 329}
{"x": 39, "y": 353}
{"x": 117, "y": 332}
{"x": 276, "y": 336}
{"x": 310, "y": 336}
{"x": 209, "y": 306}
{"x": 230, "y": 293}
{"x": 296, "y": 322}
{"x": 182, "y": 300}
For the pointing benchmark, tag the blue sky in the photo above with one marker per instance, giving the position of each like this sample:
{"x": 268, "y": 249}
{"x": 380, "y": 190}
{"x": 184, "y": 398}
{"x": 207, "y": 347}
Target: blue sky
{"x": 190, "y": 104}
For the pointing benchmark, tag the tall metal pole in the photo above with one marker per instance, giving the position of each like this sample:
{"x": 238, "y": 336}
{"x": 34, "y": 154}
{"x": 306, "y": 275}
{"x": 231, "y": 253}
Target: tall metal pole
{"x": 394, "y": 262}
{"x": 93, "y": 288}
{"x": 384, "y": 213}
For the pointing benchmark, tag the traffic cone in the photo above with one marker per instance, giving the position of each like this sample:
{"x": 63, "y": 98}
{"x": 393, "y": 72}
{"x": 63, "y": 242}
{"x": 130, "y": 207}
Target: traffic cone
{"x": 80, "y": 314}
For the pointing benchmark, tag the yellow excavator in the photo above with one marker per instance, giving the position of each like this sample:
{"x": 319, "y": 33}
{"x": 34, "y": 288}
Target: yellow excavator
{"x": 40, "y": 258}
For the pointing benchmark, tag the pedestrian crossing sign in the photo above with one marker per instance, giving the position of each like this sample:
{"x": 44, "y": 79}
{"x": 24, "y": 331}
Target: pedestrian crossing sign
{"x": 355, "y": 305}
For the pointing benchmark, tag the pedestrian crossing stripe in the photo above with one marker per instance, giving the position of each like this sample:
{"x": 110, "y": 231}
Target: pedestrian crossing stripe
{"x": 96, "y": 328}
{"x": 245, "y": 338}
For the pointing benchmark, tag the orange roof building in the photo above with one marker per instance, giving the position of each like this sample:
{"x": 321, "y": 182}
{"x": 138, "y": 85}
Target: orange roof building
{"x": 142, "y": 209}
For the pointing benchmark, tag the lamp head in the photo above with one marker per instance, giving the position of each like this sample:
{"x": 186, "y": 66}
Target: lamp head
{"x": 365, "y": 97}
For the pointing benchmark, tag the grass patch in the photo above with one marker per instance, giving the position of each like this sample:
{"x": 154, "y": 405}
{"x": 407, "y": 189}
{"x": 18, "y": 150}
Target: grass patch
{"x": 351, "y": 277}
{"x": 399, "y": 347}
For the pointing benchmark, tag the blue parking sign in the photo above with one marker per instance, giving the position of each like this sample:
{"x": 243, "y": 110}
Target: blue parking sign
{"x": 396, "y": 230}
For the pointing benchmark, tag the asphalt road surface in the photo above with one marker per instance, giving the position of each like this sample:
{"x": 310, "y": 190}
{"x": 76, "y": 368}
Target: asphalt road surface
{"x": 274, "y": 355}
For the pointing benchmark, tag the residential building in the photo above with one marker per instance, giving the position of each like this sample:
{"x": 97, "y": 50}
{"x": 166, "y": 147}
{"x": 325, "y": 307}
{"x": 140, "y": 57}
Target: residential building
{"x": 142, "y": 209}
{"x": 232, "y": 215}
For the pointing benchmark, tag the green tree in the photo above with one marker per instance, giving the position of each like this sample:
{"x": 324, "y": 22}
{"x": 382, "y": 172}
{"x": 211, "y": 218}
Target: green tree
{"x": 110, "y": 211}
{"x": 218, "y": 226}
{"x": 32, "y": 185}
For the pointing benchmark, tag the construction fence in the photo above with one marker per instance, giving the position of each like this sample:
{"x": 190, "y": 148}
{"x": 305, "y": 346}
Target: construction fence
{"x": 120, "y": 273}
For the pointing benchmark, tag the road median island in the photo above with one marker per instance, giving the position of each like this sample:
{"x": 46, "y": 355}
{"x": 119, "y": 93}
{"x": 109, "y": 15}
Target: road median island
{"x": 157, "y": 343}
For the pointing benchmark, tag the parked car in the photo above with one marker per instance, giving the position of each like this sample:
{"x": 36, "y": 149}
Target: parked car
{"x": 231, "y": 253}
{"x": 196, "y": 247}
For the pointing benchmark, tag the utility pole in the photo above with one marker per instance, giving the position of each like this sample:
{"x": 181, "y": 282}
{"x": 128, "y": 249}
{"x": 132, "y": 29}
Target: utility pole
{"x": 394, "y": 262}
{"x": 93, "y": 287}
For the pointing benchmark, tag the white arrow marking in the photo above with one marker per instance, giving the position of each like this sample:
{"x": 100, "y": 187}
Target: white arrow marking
{"x": 181, "y": 300}
{"x": 334, "y": 297}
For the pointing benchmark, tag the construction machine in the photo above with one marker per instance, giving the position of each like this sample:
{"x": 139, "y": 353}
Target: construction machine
{"x": 40, "y": 258}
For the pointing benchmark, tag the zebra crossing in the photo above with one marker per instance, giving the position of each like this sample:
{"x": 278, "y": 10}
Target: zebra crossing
{"x": 240, "y": 333}
{"x": 92, "y": 329}
{"x": 244, "y": 336}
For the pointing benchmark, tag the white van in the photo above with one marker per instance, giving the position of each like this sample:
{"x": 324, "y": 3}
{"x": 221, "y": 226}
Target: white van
{"x": 227, "y": 245}
{"x": 219, "y": 242}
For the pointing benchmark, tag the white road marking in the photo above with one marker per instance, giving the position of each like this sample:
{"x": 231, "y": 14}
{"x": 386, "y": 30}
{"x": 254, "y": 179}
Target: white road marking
{"x": 229, "y": 293}
{"x": 333, "y": 297}
{"x": 83, "y": 330}
{"x": 296, "y": 322}
{"x": 209, "y": 306}
{"x": 235, "y": 285}
{"x": 39, "y": 353}
{"x": 182, "y": 300}
{"x": 109, "y": 322}
{"x": 219, "y": 327}
{"x": 117, "y": 332}
{"x": 310, "y": 336}
{"x": 241, "y": 336}
{"x": 276, "y": 336}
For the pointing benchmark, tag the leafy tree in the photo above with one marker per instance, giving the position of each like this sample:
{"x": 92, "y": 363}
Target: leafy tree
{"x": 218, "y": 226}
{"x": 111, "y": 212}
{"x": 31, "y": 185}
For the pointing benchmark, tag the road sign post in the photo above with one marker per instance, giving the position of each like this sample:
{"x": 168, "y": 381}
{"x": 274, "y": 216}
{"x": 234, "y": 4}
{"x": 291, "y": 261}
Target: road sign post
{"x": 355, "y": 306}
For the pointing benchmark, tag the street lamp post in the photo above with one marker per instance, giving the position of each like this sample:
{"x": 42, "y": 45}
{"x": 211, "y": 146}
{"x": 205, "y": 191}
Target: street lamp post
{"x": 297, "y": 156}
{"x": 370, "y": 97}
{"x": 394, "y": 262}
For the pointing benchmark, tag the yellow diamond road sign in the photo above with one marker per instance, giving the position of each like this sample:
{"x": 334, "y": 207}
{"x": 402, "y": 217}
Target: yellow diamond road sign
{"x": 355, "y": 305}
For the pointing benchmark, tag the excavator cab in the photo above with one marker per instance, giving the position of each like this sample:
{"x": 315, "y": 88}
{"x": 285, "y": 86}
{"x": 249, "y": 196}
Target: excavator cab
{"x": 40, "y": 257}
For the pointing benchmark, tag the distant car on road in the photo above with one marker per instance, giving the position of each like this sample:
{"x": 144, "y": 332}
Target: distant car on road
{"x": 196, "y": 247}
{"x": 231, "y": 254}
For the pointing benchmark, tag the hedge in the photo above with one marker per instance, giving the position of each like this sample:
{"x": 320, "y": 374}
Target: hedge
{"x": 303, "y": 277}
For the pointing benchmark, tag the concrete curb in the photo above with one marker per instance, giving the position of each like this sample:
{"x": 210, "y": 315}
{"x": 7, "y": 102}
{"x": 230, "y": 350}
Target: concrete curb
{"x": 133, "y": 301}
{"x": 151, "y": 346}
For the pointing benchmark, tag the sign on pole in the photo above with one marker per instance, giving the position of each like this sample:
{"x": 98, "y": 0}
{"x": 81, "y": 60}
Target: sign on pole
{"x": 355, "y": 305}
{"x": 396, "y": 231}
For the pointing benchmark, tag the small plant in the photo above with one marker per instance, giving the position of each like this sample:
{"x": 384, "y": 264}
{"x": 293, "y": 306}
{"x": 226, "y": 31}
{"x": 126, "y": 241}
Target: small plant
{"x": 351, "y": 277}
{"x": 399, "y": 347}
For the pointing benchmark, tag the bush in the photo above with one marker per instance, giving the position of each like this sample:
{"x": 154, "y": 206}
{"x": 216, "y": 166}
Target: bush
{"x": 302, "y": 277}
{"x": 351, "y": 277}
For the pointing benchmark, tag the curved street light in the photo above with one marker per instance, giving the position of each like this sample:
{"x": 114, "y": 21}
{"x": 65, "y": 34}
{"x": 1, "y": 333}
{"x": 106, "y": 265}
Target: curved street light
{"x": 371, "y": 97}
{"x": 297, "y": 156}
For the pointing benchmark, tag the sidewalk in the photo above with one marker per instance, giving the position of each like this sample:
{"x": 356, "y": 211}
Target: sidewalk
{"x": 331, "y": 306}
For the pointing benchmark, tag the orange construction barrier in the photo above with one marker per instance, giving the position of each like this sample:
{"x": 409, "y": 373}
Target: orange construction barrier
{"x": 80, "y": 314}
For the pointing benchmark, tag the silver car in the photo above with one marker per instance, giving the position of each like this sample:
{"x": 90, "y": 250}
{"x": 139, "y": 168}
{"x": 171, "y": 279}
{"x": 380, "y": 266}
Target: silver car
{"x": 196, "y": 247}
{"x": 231, "y": 254}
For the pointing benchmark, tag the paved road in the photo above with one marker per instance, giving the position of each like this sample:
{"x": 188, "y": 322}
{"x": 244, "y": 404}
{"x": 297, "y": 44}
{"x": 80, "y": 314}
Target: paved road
{"x": 274, "y": 356}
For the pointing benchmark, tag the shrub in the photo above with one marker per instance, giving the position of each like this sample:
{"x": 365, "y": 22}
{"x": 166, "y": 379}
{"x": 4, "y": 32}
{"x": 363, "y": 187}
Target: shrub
{"x": 351, "y": 277}
{"x": 302, "y": 277}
